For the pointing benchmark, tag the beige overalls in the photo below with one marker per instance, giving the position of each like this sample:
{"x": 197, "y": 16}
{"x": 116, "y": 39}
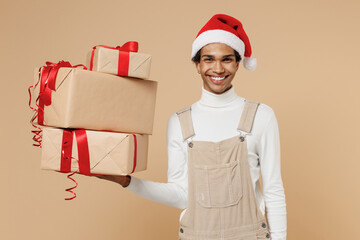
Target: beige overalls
{"x": 221, "y": 198}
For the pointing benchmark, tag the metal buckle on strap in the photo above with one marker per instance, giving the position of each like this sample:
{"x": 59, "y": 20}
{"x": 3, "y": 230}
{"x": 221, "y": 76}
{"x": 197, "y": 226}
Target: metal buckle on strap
{"x": 189, "y": 142}
{"x": 243, "y": 135}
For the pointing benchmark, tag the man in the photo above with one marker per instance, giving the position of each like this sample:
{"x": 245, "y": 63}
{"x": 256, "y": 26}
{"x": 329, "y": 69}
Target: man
{"x": 218, "y": 147}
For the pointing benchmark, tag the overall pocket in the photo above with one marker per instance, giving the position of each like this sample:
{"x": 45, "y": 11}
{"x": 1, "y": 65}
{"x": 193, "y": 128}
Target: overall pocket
{"x": 218, "y": 185}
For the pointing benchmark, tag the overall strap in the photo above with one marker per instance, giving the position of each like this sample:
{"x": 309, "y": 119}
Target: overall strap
{"x": 247, "y": 116}
{"x": 186, "y": 122}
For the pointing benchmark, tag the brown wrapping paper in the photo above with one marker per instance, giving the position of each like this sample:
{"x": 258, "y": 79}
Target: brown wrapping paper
{"x": 106, "y": 60}
{"x": 110, "y": 153}
{"x": 99, "y": 101}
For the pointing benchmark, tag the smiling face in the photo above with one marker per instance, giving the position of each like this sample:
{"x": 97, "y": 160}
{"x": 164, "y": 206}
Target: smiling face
{"x": 217, "y": 67}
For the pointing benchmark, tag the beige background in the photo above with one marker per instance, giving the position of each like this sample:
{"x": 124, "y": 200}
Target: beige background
{"x": 308, "y": 73}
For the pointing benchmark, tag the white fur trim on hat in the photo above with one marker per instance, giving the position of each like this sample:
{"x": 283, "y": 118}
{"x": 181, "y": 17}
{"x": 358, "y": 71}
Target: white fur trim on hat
{"x": 220, "y": 36}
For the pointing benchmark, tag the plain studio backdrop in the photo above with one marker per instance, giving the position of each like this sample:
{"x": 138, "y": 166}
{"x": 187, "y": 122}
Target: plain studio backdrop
{"x": 308, "y": 72}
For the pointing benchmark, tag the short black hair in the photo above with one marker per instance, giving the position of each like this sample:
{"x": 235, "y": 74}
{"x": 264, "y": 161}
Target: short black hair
{"x": 196, "y": 58}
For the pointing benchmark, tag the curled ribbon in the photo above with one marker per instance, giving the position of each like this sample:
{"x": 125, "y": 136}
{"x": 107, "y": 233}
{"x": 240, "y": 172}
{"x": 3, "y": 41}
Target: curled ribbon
{"x": 72, "y": 188}
{"x": 124, "y": 54}
{"x": 37, "y": 133}
{"x": 66, "y": 155}
{"x": 47, "y": 81}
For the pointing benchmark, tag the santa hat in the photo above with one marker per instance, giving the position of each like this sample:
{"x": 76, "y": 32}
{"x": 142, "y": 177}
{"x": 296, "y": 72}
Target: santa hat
{"x": 225, "y": 29}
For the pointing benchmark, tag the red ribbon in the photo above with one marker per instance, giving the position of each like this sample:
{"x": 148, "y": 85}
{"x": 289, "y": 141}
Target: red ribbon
{"x": 135, "y": 153}
{"x": 70, "y": 189}
{"x": 66, "y": 151}
{"x": 37, "y": 133}
{"x": 83, "y": 155}
{"x": 83, "y": 151}
{"x": 124, "y": 54}
{"x": 47, "y": 81}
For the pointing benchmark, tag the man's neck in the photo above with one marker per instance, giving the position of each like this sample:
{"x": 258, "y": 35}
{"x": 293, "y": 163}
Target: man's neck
{"x": 217, "y": 100}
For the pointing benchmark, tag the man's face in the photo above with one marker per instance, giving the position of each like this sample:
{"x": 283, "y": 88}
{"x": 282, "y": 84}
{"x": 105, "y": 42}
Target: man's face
{"x": 217, "y": 67}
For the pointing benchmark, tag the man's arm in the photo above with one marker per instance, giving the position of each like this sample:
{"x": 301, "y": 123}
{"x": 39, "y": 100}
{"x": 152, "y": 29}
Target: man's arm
{"x": 273, "y": 190}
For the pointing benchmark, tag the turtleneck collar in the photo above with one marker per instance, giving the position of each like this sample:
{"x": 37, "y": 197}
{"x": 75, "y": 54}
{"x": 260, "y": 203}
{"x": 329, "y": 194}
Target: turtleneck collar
{"x": 218, "y": 100}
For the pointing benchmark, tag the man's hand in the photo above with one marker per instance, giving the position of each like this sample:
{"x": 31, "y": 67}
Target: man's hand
{"x": 122, "y": 180}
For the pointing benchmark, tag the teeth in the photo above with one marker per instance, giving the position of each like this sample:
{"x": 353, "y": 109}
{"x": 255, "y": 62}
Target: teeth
{"x": 217, "y": 78}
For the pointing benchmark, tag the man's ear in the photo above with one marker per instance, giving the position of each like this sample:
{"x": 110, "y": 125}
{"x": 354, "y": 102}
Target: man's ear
{"x": 237, "y": 65}
{"x": 197, "y": 64}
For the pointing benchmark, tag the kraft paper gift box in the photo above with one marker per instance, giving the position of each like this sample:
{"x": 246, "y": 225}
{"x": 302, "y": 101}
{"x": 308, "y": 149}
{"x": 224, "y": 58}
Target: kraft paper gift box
{"x": 107, "y": 59}
{"x": 109, "y": 153}
{"x": 97, "y": 101}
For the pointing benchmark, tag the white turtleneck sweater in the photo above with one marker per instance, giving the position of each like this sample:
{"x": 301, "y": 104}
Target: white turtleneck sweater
{"x": 215, "y": 118}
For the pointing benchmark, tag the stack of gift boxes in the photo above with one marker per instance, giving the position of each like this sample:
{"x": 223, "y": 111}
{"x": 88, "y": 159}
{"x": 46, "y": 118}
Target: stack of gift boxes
{"x": 96, "y": 121}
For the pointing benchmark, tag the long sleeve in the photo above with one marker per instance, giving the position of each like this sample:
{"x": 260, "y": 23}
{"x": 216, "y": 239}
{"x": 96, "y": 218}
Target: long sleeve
{"x": 274, "y": 196}
{"x": 174, "y": 192}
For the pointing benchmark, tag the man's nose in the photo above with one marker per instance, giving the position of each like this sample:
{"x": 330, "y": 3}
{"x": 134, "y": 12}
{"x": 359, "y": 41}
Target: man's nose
{"x": 218, "y": 68}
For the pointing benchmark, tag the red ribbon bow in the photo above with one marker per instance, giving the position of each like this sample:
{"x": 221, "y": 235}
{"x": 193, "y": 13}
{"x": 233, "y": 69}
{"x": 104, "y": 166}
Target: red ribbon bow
{"x": 124, "y": 54}
{"x": 48, "y": 83}
{"x": 47, "y": 80}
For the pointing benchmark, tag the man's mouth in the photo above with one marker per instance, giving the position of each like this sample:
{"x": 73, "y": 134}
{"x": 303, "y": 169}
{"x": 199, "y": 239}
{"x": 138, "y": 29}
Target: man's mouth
{"x": 217, "y": 80}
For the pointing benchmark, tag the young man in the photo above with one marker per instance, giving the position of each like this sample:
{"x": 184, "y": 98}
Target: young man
{"x": 218, "y": 147}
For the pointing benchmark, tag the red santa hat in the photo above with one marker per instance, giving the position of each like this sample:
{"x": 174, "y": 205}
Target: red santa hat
{"x": 225, "y": 29}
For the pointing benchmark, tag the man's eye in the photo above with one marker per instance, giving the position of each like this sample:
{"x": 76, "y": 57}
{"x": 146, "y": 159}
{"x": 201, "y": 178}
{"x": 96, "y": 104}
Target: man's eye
{"x": 207, "y": 59}
{"x": 227, "y": 59}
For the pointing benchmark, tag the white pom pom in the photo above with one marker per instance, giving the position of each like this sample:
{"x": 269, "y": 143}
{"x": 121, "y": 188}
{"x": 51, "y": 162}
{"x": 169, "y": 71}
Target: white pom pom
{"x": 250, "y": 63}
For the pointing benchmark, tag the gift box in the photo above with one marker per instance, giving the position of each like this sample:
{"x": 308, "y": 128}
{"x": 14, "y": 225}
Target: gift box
{"x": 93, "y": 152}
{"x": 77, "y": 98}
{"x": 122, "y": 61}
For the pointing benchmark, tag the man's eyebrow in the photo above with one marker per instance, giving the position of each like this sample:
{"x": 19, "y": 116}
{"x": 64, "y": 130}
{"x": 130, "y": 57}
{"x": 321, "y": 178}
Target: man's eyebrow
{"x": 229, "y": 55}
{"x": 207, "y": 55}
{"x": 212, "y": 56}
